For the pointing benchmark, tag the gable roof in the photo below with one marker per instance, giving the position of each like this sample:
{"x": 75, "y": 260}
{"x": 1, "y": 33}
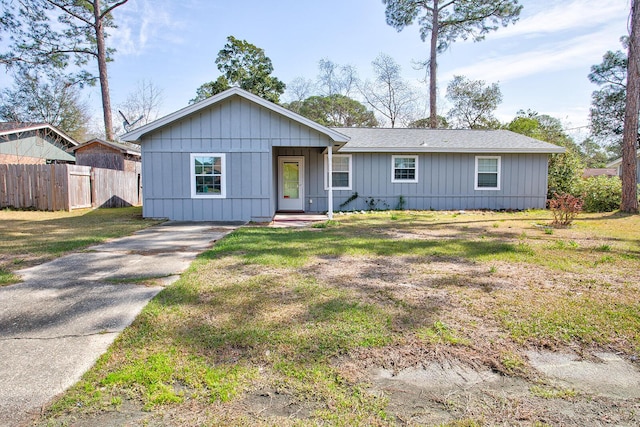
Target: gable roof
{"x": 10, "y": 128}
{"x": 400, "y": 140}
{"x": 123, "y": 148}
{"x": 136, "y": 134}
{"x": 617, "y": 162}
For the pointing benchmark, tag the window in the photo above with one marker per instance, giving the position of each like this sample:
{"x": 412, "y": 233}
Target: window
{"x": 404, "y": 168}
{"x": 207, "y": 175}
{"x": 487, "y": 173}
{"x": 341, "y": 175}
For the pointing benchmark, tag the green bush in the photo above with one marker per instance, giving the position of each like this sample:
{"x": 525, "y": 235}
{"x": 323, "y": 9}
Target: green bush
{"x": 601, "y": 193}
{"x": 565, "y": 173}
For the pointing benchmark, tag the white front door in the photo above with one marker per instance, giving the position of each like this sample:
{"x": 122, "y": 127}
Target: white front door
{"x": 290, "y": 183}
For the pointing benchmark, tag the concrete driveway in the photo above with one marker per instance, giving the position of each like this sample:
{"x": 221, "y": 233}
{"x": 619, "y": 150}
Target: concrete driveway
{"x": 65, "y": 314}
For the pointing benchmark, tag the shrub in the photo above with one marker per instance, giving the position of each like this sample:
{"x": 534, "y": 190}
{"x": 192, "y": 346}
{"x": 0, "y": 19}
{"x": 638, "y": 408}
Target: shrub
{"x": 565, "y": 208}
{"x": 565, "y": 173}
{"x": 601, "y": 193}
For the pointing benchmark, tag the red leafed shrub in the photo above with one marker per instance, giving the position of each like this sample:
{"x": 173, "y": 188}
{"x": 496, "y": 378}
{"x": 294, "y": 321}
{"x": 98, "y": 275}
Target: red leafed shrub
{"x": 565, "y": 208}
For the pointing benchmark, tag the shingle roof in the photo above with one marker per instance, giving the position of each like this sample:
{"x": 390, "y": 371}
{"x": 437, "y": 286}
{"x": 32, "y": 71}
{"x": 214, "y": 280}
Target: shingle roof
{"x": 442, "y": 141}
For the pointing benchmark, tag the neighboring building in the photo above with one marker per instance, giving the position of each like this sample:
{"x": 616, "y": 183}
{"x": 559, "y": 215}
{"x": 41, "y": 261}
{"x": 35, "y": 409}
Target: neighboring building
{"x": 34, "y": 143}
{"x": 617, "y": 165}
{"x": 108, "y": 155}
{"x": 236, "y": 156}
{"x": 591, "y": 172}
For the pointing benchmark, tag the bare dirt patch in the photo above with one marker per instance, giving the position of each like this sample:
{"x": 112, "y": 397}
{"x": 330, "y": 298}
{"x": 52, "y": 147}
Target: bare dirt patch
{"x": 443, "y": 392}
{"x": 430, "y": 385}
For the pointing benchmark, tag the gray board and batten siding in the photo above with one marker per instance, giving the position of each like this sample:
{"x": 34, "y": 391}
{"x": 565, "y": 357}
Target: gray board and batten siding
{"x": 445, "y": 182}
{"x": 248, "y": 134}
{"x": 446, "y": 168}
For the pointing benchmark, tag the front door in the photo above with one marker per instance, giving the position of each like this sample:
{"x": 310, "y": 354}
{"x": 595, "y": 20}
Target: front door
{"x": 290, "y": 183}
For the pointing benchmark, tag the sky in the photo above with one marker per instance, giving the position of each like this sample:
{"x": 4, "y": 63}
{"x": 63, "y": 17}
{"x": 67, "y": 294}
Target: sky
{"x": 541, "y": 62}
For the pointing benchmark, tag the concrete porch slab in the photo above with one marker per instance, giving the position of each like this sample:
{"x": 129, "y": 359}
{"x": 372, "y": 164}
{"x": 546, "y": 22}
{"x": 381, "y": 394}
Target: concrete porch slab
{"x": 284, "y": 220}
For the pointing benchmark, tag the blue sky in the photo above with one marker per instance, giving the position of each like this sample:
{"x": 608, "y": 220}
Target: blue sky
{"x": 541, "y": 62}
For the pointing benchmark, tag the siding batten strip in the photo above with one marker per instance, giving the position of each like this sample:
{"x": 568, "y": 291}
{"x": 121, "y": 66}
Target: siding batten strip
{"x": 330, "y": 181}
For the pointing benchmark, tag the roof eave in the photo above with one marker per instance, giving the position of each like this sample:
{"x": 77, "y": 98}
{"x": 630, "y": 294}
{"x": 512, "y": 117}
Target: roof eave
{"x": 119, "y": 148}
{"x": 558, "y": 150}
{"x": 41, "y": 126}
{"x": 617, "y": 162}
{"x": 136, "y": 134}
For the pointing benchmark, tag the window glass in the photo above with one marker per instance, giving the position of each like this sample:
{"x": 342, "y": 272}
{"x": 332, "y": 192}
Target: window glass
{"x": 404, "y": 168}
{"x": 341, "y": 176}
{"x": 487, "y": 180}
{"x": 207, "y": 175}
{"x": 487, "y": 172}
{"x": 488, "y": 165}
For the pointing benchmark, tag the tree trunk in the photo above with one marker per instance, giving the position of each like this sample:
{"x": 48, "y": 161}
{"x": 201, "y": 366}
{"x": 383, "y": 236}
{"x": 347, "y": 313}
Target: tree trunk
{"x": 630, "y": 137}
{"x": 102, "y": 72}
{"x": 433, "y": 65}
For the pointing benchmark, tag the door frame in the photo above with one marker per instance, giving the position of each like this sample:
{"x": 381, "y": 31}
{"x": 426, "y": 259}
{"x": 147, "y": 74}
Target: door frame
{"x": 280, "y": 178}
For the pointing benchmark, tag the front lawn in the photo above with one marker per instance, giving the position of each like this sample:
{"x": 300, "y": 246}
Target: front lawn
{"x": 31, "y": 237}
{"x": 284, "y": 326}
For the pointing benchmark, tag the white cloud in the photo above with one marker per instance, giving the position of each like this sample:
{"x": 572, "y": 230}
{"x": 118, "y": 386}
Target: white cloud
{"x": 554, "y": 56}
{"x": 563, "y": 16}
{"x": 142, "y": 22}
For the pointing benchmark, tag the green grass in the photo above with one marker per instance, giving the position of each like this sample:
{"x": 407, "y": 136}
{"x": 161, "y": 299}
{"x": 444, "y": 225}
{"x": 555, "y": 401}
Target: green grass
{"x": 513, "y": 363}
{"x": 552, "y": 393}
{"x": 32, "y": 237}
{"x": 7, "y": 277}
{"x": 589, "y": 317}
{"x": 326, "y": 224}
{"x": 155, "y": 376}
{"x": 440, "y": 333}
{"x": 287, "y": 313}
{"x": 295, "y": 248}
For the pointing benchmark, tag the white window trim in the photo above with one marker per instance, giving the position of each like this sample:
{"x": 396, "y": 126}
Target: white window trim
{"x": 223, "y": 180}
{"x": 393, "y": 169}
{"x": 499, "y": 174}
{"x": 326, "y": 168}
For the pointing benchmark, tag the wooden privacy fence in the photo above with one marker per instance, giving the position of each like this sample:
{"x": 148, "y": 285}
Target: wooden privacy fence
{"x": 66, "y": 187}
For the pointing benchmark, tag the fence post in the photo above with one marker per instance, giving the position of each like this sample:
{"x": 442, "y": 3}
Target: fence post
{"x": 53, "y": 186}
{"x": 92, "y": 186}
{"x": 67, "y": 175}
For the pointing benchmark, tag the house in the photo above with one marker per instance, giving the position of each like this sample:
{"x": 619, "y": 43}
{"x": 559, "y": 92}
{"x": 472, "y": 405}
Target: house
{"x": 34, "y": 143}
{"x": 108, "y": 155}
{"x": 236, "y": 156}
{"x": 617, "y": 165}
{"x": 593, "y": 172}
